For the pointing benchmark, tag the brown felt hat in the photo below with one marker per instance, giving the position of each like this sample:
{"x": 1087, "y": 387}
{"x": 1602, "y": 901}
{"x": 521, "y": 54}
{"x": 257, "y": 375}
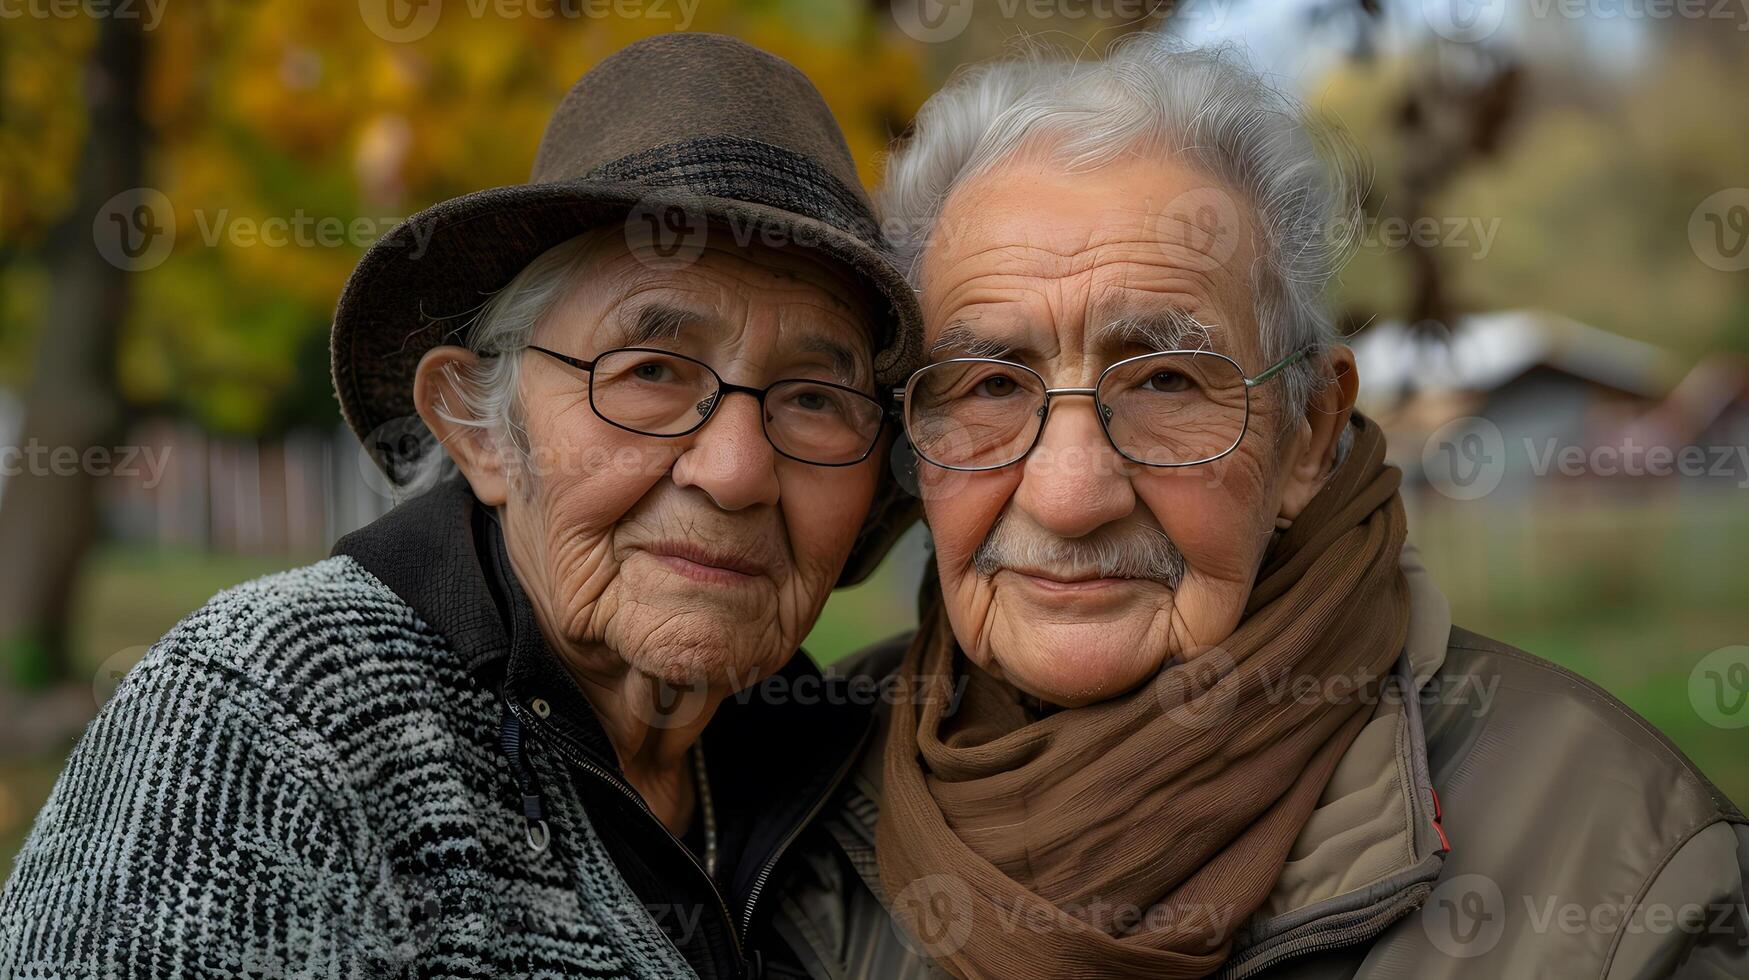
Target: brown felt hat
{"x": 671, "y": 137}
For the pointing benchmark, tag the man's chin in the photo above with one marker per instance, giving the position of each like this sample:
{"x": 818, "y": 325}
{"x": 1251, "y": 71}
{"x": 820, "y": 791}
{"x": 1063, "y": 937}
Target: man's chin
{"x": 1075, "y": 664}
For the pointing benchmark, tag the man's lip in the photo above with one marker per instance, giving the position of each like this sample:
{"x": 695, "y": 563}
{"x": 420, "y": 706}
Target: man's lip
{"x": 723, "y": 561}
{"x": 1065, "y": 581}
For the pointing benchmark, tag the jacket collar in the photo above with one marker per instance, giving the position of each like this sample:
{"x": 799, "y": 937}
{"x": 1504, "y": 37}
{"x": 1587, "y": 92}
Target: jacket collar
{"x": 775, "y": 751}
{"x": 1368, "y": 855}
{"x": 427, "y": 551}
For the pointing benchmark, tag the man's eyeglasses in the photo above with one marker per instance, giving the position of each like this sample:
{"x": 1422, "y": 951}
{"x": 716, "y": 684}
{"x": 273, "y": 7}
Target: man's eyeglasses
{"x": 655, "y": 392}
{"x": 1171, "y": 408}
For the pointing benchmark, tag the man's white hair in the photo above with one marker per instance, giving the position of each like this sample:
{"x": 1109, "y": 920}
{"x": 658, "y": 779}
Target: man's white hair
{"x": 1204, "y": 107}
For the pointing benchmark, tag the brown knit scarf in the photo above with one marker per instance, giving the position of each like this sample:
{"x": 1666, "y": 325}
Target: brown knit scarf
{"x": 1132, "y": 837}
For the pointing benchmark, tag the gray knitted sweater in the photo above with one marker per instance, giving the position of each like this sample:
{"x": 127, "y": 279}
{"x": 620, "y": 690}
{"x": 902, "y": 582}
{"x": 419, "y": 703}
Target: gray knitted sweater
{"x": 299, "y": 780}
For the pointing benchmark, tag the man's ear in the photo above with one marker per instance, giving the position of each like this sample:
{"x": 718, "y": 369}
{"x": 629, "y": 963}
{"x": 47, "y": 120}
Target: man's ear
{"x": 437, "y": 396}
{"x": 1310, "y": 454}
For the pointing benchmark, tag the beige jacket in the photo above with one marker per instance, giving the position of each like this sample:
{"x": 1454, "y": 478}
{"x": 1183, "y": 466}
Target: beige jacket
{"x": 1509, "y": 820}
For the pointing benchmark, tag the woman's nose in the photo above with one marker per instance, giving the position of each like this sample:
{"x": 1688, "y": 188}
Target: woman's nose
{"x": 729, "y": 458}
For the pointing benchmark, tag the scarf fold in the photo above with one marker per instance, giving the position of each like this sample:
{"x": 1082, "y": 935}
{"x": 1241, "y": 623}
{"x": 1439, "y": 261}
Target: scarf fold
{"x": 1134, "y": 836}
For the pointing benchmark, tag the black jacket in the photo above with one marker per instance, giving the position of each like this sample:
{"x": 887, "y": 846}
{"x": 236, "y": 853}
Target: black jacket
{"x": 774, "y": 754}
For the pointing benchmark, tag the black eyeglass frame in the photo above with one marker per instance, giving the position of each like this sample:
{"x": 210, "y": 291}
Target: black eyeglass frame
{"x": 901, "y": 395}
{"x": 724, "y": 389}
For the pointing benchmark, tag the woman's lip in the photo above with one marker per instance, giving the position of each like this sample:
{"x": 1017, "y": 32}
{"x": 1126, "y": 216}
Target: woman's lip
{"x": 704, "y": 565}
{"x": 701, "y": 572}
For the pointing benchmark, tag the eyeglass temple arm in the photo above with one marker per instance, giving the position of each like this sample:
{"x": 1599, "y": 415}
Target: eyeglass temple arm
{"x": 575, "y": 362}
{"x": 1277, "y": 367}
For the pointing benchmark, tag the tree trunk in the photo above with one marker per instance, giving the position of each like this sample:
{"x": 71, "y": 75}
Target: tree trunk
{"x": 48, "y": 509}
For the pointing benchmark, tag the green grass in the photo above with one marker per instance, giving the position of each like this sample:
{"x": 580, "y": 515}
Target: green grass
{"x": 1631, "y": 598}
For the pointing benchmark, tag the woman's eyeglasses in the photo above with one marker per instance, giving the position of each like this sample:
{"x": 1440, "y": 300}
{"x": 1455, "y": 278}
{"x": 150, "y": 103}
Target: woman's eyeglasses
{"x": 655, "y": 392}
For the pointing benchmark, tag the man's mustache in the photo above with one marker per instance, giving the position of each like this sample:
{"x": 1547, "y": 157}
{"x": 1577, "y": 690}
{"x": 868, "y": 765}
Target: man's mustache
{"x": 1121, "y": 551}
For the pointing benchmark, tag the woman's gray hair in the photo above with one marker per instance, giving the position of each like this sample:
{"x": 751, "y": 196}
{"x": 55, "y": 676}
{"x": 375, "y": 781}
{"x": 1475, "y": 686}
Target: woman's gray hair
{"x": 1150, "y": 94}
{"x": 488, "y": 389}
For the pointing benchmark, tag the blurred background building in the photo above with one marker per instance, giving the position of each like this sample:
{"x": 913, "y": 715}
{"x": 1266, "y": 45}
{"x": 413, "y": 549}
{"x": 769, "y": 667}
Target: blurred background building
{"x": 1548, "y": 295}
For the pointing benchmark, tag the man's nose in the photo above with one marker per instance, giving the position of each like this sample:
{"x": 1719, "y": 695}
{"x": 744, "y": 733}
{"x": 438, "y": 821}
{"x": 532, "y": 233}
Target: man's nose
{"x": 1073, "y": 482}
{"x": 729, "y": 458}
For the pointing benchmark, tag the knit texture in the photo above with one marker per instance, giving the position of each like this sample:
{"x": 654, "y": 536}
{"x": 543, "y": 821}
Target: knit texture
{"x": 301, "y": 780}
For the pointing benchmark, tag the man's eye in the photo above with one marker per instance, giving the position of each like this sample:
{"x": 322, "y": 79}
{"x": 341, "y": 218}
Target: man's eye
{"x": 1166, "y": 381}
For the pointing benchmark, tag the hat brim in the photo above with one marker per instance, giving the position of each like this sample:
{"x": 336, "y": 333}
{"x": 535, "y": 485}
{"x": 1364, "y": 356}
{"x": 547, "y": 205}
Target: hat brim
{"x": 421, "y": 284}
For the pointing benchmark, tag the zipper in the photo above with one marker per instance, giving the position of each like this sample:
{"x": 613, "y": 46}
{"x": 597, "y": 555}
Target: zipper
{"x": 1361, "y": 931}
{"x": 831, "y": 790}
{"x": 577, "y": 760}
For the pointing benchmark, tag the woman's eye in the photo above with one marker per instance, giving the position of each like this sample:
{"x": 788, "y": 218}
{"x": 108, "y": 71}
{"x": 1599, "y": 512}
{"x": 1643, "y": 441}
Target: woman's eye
{"x": 812, "y": 401}
{"x": 651, "y": 371}
{"x": 996, "y": 386}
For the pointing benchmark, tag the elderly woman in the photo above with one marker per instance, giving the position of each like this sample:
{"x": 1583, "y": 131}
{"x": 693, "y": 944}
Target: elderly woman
{"x": 488, "y": 737}
{"x": 1180, "y": 704}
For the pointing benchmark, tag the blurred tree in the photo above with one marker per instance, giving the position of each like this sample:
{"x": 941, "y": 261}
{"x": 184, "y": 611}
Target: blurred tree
{"x": 286, "y": 138}
{"x": 46, "y": 516}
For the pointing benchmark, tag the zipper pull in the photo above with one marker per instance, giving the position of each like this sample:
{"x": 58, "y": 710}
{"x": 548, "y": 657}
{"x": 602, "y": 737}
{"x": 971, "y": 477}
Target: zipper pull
{"x": 535, "y": 829}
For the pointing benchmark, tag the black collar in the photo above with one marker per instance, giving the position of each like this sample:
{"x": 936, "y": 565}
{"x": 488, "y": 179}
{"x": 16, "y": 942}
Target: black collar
{"x": 775, "y": 751}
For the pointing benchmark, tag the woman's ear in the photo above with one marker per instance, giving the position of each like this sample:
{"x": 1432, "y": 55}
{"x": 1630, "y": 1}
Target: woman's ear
{"x": 437, "y": 396}
{"x": 1310, "y": 455}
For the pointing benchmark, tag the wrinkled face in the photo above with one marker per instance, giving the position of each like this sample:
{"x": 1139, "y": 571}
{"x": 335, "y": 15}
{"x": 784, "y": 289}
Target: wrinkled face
{"x": 702, "y": 559}
{"x": 1068, "y": 274}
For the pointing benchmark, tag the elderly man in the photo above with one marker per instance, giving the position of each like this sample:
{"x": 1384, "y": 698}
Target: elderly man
{"x": 484, "y": 738}
{"x": 1180, "y": 704}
